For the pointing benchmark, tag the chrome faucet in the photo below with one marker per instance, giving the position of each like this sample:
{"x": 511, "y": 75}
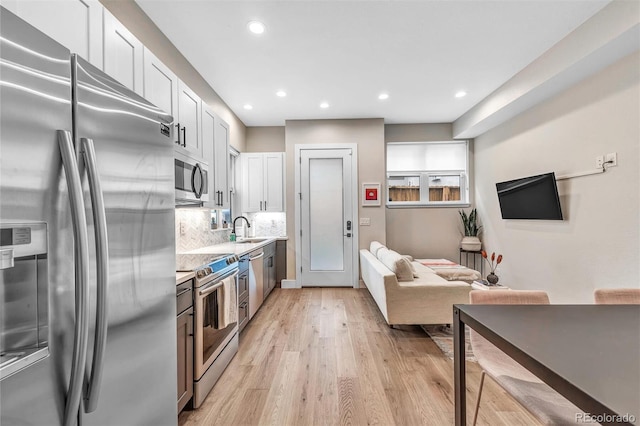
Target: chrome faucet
{"x": 233, "y": 231}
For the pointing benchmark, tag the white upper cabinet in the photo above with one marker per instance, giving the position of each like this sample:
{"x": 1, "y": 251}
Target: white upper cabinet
{"x": 215, "y": 149}
{"x": 188, "y": 123}
{"x": 160, "y": 84}
{"x": 76, "y": 24}
{"x": 123, "y": 54}
{"x": 208, "y": 151}
{"x": 221, "y": 193}
{"x": 262, "y": 182}
{"x": 274, "y": 182}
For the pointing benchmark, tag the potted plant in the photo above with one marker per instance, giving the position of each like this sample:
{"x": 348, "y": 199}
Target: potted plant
{"x": 470, "y": 241}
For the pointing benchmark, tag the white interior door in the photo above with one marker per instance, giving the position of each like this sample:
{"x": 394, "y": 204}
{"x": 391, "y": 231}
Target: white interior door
{"x": 327, "y": 217}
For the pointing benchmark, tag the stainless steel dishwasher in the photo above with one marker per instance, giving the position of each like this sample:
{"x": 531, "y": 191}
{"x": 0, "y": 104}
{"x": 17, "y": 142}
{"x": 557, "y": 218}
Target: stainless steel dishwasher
{"x": 256, "y": 281}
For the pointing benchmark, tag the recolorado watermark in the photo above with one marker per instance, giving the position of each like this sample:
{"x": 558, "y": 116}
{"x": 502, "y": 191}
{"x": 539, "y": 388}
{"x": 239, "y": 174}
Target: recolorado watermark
{"x": 605, "y": 418}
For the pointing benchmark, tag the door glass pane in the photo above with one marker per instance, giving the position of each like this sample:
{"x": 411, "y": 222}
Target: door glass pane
{"x": 325, "y": 214}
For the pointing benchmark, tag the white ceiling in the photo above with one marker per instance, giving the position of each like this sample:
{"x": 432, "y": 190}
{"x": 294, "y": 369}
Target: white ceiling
{"x": 348, "y": 52}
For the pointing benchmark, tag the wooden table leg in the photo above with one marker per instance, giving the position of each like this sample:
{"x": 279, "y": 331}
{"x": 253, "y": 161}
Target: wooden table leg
{"x": 459, "y": 369}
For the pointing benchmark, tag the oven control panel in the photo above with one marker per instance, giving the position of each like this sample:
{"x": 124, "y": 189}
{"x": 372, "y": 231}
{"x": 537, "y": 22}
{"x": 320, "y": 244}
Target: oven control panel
{"x": 217, "y": 266}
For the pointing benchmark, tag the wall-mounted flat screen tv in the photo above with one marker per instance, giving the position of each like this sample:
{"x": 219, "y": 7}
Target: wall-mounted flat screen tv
{"x": 533, "y": 197}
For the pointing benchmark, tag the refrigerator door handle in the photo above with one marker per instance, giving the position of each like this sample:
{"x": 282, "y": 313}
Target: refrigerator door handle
{"x": 81, "y": 328}
{"x": 92, "y": 383}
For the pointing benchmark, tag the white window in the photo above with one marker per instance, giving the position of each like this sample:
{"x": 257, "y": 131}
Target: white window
{"x": 427, "y": 174}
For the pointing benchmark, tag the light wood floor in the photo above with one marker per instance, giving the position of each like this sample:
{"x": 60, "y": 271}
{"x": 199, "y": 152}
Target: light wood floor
{"x": 326, "y": 356}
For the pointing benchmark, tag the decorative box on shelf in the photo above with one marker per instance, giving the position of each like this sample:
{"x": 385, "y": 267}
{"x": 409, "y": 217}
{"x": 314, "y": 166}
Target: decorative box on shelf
{"x": 485, "y": 285}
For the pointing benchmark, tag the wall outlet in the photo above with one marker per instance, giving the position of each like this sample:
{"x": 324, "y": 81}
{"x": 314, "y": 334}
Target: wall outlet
{"x": 599, "y": 161}
{"x": 611, "y": 159}
{"x": 365, "y": 221}
{"x": 182, "y": 228}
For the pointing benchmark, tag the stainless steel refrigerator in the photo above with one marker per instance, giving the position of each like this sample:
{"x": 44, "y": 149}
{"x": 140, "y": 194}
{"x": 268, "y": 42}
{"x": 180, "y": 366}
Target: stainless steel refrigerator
{"x": 87, "y": 265}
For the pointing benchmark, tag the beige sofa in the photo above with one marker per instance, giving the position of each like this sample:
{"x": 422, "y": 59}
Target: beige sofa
{"x": 426, "y": 298}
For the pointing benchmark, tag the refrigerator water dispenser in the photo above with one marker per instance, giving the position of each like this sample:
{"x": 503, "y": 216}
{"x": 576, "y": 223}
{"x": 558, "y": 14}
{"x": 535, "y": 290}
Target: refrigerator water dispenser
{"x": 23, "y": 295}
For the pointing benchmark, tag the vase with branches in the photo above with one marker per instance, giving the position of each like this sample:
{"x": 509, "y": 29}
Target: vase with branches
{"x": 470, "y": 240}
{"x": 493, "y": 264}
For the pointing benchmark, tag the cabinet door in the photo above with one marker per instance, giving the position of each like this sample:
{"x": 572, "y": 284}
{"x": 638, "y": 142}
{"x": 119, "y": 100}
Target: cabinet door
{"x": 265, "y": 274}
{"x": 208, "y": 152}
{"x": 123, "y": 55}
{"x": 252, "y": 181}
{"x": 243, "y": 285}
{"x": 221, "y": 145}
{"x": 189, "y": 116}
{"x": 243, "y": 314}
{"x": 273, "y": 182}
{"x": 160, "y": 84}
{"x": 185, "y": 358}
{"x": 76, "y": 24}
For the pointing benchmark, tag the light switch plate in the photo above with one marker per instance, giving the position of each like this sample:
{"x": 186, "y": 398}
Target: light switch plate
{"x": 365, "y": 221}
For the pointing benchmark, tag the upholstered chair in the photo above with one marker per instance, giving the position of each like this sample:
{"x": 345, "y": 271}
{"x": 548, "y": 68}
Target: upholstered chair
{"x": 533, "y": 394}
{"x": 617, "y": 296}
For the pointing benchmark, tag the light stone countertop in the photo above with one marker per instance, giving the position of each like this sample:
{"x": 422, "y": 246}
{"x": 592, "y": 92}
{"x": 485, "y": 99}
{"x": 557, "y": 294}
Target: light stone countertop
{"x": 184, "y": 276}
{"x": 239, "y": 248}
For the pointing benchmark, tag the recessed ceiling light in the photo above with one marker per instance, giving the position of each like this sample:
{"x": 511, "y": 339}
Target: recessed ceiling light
{"x": 248, "y": 106}
{"x": 256, "y": 27}
{"x": 281, "y": 93}
{"x": 383, "y": 96}
{"x": 324, "y": 105}
{"x": 461, "y": 94}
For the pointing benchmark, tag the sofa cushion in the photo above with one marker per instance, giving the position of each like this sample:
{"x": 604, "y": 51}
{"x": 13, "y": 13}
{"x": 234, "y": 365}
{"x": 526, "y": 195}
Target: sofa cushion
{"x": 375, "y": 246}
{"x": 396, "y": 263}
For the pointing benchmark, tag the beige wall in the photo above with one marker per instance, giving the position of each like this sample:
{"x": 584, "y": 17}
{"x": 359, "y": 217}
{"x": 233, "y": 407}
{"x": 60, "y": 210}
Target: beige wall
{"x": 368, "y": 134}
{"x": 433, "y": 232}
{"x": 265, "y": 139}
{"x": 597, "y": 245}
{"x": 136, "y": 21}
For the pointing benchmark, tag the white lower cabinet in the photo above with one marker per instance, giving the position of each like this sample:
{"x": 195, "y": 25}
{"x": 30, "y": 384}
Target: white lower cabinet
{"x": 262, "y": 181}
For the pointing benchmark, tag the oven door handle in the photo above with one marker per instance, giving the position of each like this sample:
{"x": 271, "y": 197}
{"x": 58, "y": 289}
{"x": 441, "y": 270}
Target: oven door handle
{"x": 213, "y": 287}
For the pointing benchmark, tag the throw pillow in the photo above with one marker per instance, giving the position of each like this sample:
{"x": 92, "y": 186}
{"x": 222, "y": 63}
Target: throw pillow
{"x": 396, "y": 263}
{"x": 409, "y": 260}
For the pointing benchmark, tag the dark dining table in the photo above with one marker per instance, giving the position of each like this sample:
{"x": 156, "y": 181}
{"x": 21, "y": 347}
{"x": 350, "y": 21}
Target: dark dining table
{"x": 590, "y": 354}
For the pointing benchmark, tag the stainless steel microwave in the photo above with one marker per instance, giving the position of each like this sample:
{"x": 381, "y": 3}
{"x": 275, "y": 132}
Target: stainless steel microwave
{"x": 192, "y": 177}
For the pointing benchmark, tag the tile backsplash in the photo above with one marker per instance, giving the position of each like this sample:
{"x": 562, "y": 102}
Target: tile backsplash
{"x": 267, "y": 224}
{"x": 193, "y": 230}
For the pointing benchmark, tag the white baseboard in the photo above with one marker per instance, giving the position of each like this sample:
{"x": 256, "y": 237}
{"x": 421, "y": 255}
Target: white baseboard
{"x": 289, "y": 284}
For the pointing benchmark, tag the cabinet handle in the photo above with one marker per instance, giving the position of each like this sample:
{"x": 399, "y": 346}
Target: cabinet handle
{"x": 260, "y": 205}
{"x": 265, "y": 206}
{"x": 178, "y": 141}
{"x": 184, "y": 136}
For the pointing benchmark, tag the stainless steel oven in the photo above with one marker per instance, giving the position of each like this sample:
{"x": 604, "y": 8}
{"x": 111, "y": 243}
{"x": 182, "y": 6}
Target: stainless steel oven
{"x": 191, "y": 180}
{"x": 215, "y": 318}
